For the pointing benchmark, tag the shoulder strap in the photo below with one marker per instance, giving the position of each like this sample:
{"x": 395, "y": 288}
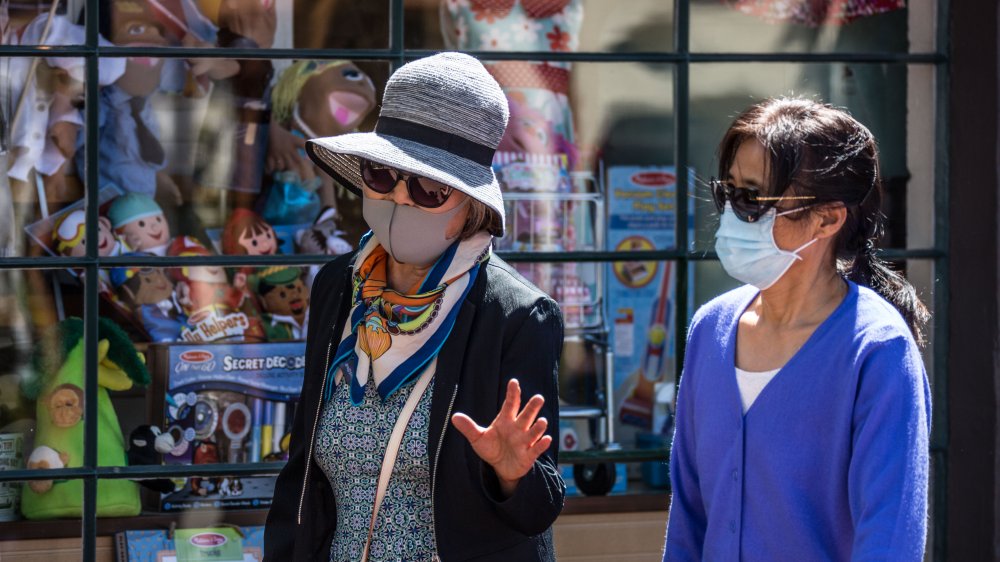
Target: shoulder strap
{"x": 392, "y": 449}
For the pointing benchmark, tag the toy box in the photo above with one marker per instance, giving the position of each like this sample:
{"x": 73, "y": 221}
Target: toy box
{"x": 220, "y": 544}
{"x": 641, "y": 295}
{"x": 225, "y": 403}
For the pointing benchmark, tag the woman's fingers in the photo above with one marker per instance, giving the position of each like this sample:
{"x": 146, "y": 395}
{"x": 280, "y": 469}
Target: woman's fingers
{"x": 540, "y": 447}
{"x": 530, "y": 411}
{"x": 537, "y": 430}
{"x": 512, "y": 403}
{"x": 470, "y": 429}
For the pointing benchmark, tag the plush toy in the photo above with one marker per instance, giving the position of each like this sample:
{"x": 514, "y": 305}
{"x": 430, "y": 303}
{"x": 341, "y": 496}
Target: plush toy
{"x": 312, "y": 99}
{"x": 145, "y": 445}
{"x": 43, "y": 458}
{"x": 323, "y": 237}
{"x": 247, "y": 234}
{"x": 215, "y": 310}
{"x": 319, "y": 99}
{"x": 139, "y": 221}
{"x": 56, "y": 383}
{"x": 285, "y": 299}
{"x": 149, "y": 292}
{"x": 68, "y": 236}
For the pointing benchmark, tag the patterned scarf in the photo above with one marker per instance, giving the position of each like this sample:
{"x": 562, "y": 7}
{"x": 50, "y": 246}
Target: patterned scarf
{"x": 392, "y": 336}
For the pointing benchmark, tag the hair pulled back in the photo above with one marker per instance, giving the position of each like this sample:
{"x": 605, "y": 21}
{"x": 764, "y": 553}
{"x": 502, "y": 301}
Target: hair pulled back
{"x": 817, "y": 150}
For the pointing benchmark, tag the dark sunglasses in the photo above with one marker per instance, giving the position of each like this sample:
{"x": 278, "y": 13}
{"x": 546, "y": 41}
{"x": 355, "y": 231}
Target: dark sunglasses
{"x": 423, "y": 191}
{"x": 747, "y": 203}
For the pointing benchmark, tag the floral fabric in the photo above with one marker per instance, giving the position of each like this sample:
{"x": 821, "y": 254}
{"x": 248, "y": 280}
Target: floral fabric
{"x": 350, "y": 445}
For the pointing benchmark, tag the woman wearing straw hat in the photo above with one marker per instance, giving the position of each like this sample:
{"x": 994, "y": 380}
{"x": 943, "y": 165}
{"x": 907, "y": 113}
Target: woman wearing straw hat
{"x": 410, "y": 442}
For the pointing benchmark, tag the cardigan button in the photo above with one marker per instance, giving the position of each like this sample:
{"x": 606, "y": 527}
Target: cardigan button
{"x": 736, "y": 476}
{"x": 732, "y": 525}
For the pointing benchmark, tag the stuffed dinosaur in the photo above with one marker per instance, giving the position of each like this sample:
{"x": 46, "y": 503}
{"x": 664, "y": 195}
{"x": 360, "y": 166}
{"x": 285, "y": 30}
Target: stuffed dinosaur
{"x": 57, "y": 383}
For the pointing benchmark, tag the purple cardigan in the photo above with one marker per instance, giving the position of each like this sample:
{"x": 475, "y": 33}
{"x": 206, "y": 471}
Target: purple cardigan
{"x": 829, "y": 463}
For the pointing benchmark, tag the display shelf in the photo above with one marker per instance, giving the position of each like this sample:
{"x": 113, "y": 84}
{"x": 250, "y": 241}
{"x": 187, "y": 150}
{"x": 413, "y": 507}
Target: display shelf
{"x": 640, "y": 499}
{"x": 614, "y": 455}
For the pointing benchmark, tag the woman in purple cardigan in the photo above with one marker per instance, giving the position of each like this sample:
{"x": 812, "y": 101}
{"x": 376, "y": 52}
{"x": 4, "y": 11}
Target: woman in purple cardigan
{"x": 804, "y": 411}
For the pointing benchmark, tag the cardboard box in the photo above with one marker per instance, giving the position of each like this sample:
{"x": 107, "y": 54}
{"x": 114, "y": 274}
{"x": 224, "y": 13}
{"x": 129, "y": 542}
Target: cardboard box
{"x": 228, "y": 403}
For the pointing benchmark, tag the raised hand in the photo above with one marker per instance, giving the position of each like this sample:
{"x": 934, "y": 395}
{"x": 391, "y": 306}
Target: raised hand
{"x": 512, "y": 441}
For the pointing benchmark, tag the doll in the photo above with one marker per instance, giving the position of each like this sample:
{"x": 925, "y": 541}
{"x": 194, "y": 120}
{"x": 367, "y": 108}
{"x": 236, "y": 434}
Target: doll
{"x": 146, "y": 444}
{"x": 247, "y": 234}
{"x": 285, "y": 300}
{"x": 129, "y": 151}
{"x": 215, "y": 310}
{"x": 52, "y": 102}
{"x": 68, "y": 236}
{"x": 149, "y": 292}
{"x": 139, "y": 221}
{"x": 312, "y": 99}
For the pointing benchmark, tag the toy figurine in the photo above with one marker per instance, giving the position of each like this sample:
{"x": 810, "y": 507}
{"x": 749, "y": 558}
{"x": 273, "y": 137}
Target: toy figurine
{"x": 215, "y": 310}
{"x": 56, "y": 383}
{"x": 68, "y": 236}
{"x": 145, "y": 445}
{"x": 285, "y": 301}
{"x": 149, "y": 292}
{"x": 323, "y": 237}
{"x": 206, "y": 452}
{"x": 247, "y": 234}
{"x": 139, "y": 221}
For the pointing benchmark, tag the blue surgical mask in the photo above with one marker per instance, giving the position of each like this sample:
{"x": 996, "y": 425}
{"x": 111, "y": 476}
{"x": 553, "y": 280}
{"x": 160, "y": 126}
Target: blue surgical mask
{"x": 748, "y": 252}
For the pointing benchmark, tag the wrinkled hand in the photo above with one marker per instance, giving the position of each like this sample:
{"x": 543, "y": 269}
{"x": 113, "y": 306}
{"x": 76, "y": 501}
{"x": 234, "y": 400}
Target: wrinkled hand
{"x": 513, "y": 441}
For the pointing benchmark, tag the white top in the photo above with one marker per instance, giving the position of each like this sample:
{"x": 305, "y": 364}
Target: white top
{"x": 751, "y": 384}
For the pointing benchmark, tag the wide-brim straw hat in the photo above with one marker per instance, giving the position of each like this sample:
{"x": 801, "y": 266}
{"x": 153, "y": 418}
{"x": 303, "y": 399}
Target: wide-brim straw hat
{"x": 442, "y": 117}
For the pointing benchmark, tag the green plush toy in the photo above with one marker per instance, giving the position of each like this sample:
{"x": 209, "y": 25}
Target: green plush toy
{"x": 57, "y": 385}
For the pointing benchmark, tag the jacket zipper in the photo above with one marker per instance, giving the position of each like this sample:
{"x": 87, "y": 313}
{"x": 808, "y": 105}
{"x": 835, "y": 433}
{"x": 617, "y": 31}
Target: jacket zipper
{"x": 437, "y": 455}
{"x": 312, "y": 436}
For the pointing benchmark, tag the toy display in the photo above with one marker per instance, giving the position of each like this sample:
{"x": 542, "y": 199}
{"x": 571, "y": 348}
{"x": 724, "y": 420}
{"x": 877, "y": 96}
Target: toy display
{"x": 139, "y": 221}
{"x": 226, "y": 403}
{"x": 56, "y": 383}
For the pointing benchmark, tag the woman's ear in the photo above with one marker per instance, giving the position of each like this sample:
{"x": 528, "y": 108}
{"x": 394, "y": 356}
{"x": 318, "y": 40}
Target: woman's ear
{"x": 829, "y": 220}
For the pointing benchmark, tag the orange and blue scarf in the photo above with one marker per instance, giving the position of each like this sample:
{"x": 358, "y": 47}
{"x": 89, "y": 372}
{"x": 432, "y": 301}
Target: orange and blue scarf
{"x": 392, "y": 336}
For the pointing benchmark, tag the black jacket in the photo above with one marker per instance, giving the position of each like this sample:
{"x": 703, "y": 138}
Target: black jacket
{"x": 506, "y": 328}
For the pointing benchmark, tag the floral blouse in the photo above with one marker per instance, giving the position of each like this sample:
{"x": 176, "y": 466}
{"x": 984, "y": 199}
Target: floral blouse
{"x": 349, "y": 448}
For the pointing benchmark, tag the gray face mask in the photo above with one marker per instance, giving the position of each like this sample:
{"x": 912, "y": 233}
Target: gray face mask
{"x": 411, "y": 235}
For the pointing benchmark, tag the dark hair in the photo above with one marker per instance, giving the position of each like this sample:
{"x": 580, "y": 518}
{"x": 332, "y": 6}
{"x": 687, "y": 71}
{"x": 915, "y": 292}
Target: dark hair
{"x": 480, "y": 218}
{"x": 817, "y": 150}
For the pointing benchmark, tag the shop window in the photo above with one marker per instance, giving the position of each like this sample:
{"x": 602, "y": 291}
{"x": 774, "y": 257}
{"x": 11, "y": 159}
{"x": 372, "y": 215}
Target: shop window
{"x": 209, "y": 223}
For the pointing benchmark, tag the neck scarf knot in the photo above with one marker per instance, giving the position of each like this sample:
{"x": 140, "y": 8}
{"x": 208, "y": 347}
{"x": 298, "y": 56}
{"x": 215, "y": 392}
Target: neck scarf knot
{"x": 392, "y": 336}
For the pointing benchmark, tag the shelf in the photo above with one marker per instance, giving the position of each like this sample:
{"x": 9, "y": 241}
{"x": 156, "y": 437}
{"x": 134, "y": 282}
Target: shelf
{"x": 620, "y": 455}
{"x": 639, "y": 500}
